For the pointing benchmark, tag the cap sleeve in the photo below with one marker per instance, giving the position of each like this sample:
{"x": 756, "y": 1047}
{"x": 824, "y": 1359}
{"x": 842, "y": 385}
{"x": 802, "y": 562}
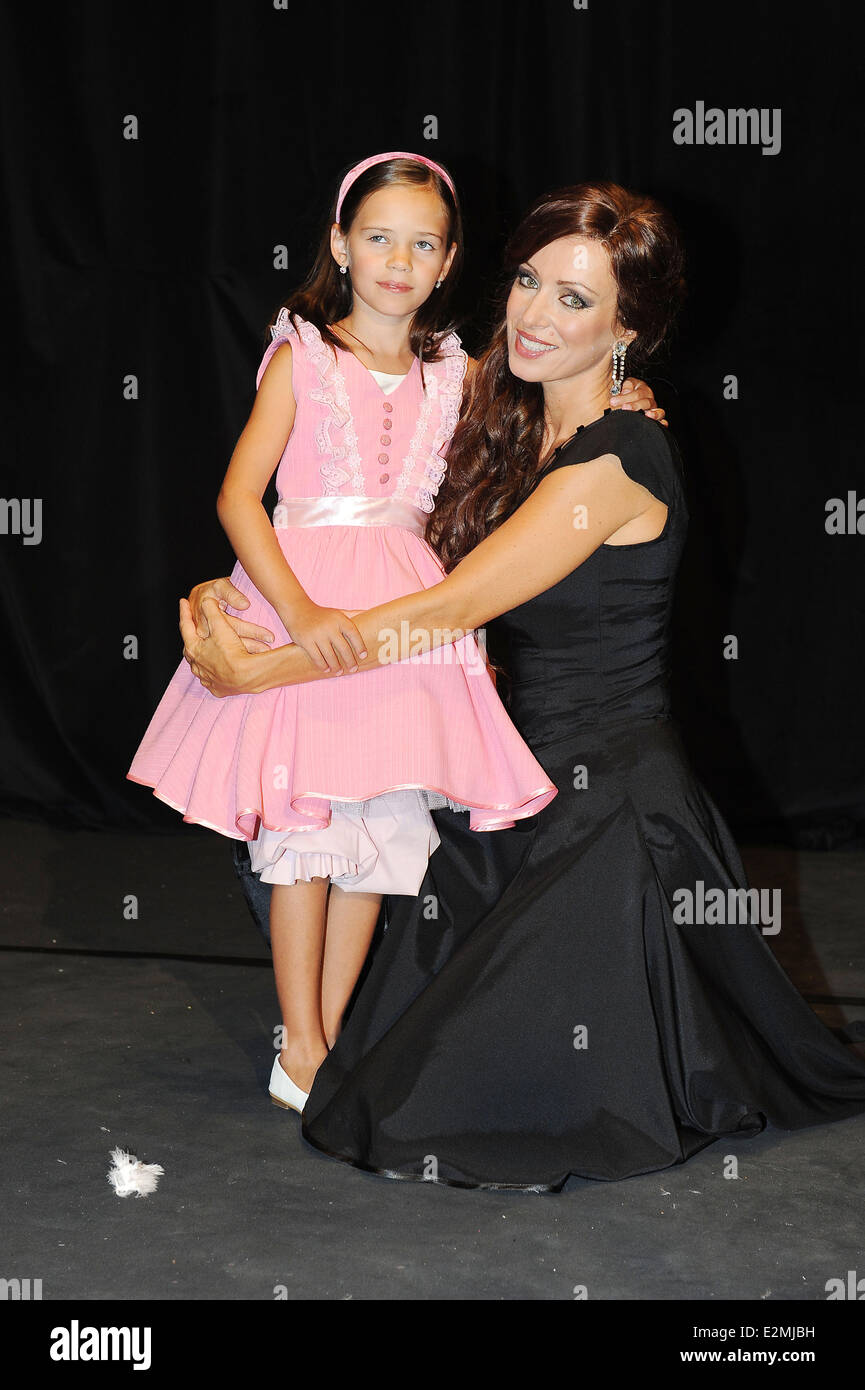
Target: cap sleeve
{"x": 646, "y": 452}
{"x": 281, "y": 331}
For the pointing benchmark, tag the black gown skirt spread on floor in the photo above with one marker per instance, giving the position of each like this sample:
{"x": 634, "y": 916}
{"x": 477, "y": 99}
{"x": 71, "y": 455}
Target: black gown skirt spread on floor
{"x": 544, "y": 1007}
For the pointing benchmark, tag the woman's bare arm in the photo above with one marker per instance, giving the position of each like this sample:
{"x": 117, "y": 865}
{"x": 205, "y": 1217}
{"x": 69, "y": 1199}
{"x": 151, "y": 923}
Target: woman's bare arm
{"x": 568, "y": 516}
{"x": 635, "y": 395}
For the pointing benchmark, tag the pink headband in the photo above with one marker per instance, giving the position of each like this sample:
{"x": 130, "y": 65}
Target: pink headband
{"x": 379, "y": 159}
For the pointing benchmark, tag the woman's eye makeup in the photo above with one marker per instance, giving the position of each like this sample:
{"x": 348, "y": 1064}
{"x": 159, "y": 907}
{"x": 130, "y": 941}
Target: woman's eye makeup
{"x": 570, "y": 295}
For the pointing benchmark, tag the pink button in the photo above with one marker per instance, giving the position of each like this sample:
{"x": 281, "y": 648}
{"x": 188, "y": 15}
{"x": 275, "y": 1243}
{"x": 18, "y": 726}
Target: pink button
{"x": 383, "y": 458}
{"x": 387, "y": 407}
{"x": 383, "y": 477}
{"x": 387, "y": 424}
{"x": 384, "y": 439}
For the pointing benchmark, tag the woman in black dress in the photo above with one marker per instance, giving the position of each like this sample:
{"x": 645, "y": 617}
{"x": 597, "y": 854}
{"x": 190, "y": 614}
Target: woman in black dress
{"x": 589, "y": 992}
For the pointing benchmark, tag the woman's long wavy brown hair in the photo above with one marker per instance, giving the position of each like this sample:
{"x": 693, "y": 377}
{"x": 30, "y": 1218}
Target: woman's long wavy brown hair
{"x": 325, "y": 296}
{"x": 494, "y": 456}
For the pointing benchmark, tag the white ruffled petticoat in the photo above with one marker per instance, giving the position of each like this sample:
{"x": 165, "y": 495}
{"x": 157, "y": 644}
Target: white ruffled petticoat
{"x": 381, "y": 845}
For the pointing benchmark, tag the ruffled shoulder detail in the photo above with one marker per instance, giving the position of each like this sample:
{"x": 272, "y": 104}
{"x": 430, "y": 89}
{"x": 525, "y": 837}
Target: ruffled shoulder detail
{"x": 284, "y": 328}
{"x": 437, "y": 420}
{"x": 450, "y": 345}
{"x": 335, "y": 434}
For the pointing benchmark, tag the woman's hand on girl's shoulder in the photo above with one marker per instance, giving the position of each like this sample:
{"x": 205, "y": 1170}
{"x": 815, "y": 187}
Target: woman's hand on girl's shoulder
{"x": 638, "y": 395}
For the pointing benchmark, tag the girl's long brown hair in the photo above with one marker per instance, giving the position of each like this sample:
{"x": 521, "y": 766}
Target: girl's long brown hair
{"x": 325, "y": 296}
{"x": 494, "y": 456}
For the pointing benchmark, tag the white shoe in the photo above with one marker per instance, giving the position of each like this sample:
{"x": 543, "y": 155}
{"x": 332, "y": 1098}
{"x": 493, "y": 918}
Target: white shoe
{"x": 283, "y": 1090}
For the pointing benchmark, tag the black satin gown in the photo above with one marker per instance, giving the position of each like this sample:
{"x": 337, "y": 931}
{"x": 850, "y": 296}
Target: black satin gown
{"x": 537, "y": 1011}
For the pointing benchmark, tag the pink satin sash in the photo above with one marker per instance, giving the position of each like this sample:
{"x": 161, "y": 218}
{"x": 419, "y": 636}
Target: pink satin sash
{"x": 349, "y": 511}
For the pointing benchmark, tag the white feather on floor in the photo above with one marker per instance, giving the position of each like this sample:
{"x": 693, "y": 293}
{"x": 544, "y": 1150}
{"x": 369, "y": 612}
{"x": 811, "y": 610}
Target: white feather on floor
{"x": 127, "y": 1175}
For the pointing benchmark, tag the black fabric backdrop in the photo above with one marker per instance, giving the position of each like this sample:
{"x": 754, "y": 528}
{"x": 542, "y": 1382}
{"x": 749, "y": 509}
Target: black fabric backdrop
{"x": 154, "y": 256}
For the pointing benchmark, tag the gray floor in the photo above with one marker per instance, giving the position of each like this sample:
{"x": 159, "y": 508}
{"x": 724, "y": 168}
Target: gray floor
{"x": 169, "y": 1057}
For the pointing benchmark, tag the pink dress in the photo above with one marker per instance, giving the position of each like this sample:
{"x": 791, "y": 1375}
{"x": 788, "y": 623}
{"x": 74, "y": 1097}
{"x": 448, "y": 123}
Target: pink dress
{"x": 336, "y": 777}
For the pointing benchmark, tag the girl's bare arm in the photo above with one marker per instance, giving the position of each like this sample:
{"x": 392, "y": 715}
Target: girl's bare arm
{"x": 252, "y": 465}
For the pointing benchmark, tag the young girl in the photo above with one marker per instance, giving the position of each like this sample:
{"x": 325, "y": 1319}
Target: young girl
{"x": 358, "y": 395}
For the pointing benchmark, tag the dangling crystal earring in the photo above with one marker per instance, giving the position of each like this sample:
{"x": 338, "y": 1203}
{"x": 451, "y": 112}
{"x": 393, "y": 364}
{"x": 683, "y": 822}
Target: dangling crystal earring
{"x": 343, "y": 269}
{"x": 439, "y": 284}
{"x": 619, "y": 350}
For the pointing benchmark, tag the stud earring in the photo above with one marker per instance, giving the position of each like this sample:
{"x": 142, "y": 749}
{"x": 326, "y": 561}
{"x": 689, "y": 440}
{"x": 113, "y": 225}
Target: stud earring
{"x": 619, "y": 350}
